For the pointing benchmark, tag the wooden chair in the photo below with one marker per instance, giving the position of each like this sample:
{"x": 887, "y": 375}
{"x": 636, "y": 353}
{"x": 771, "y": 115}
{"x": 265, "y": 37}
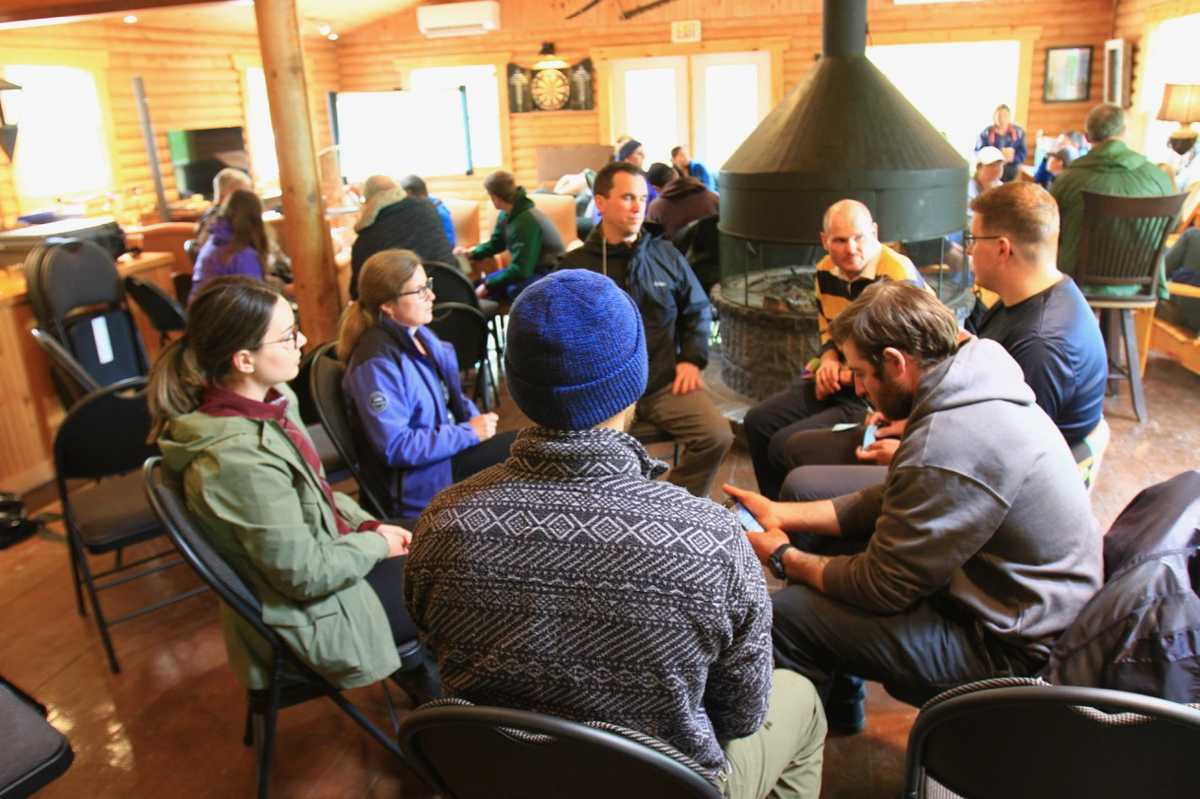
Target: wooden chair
{"x": 1176, "y": 342}
{"x": 465, "y": 216}
{"x": 560, "y": 209}
{"x": 1121, "y": 246}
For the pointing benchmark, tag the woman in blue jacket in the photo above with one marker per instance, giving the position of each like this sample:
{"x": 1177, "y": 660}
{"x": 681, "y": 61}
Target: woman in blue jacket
{"x": 419, "y": 433}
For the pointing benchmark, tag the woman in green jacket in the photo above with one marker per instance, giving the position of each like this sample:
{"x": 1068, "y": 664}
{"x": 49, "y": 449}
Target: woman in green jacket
{"x": 329, "y": 577}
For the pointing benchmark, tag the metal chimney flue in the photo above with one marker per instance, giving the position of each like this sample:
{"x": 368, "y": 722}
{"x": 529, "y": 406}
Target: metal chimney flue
{"x": 845, "y": 30}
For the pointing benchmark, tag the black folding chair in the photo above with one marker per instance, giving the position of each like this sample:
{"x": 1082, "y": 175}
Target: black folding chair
{"x": 471, "y": 752}
{"x": 34, "y": 753}
{"x": 329, "y": 402}
{"x": 1022, "y": 737}
{"x": 465, "y": 328}
{"x": 301, "y": 385}
{"x": 164, "y": 313}
{"x": 103, "y": 439}
{"x": 77, "y": 298}
{"x": 451, "y": 285}
{"x": 292, "y": 681}
{"x": 69, "y": 377}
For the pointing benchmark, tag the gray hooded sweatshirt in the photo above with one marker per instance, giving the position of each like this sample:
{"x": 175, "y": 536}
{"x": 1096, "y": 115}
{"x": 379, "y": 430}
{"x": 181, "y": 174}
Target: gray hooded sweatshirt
{"x": 982, "y": 507}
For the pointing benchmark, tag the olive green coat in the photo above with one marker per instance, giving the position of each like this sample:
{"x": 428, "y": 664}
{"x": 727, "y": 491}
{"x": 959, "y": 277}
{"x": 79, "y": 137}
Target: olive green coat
{"x": 263, "y": 509}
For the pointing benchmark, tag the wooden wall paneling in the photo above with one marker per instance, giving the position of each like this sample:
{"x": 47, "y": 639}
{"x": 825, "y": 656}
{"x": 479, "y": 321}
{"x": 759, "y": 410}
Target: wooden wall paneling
{"x": 525, "y": 24}
{"x": 1134, "y": 20}
{"x": 190, "y": 83}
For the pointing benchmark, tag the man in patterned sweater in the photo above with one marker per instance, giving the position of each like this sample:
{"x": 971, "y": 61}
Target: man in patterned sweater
{"x": 856, "y": 259}
{"x": 567, "y": 581}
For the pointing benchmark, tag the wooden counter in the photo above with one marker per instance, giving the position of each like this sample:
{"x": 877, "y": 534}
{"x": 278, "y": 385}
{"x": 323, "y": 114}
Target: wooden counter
{"x": 30, "y": 411}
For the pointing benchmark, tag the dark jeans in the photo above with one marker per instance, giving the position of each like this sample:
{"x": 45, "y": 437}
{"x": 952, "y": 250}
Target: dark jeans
{"x": 824, "y": 466}
{"x": 387, "y": 578}
{"x": 769, "y": 424}
{"x": 482, "y": 455}
{"x": 418, "y": 673}
{"x": 917, "y": 654}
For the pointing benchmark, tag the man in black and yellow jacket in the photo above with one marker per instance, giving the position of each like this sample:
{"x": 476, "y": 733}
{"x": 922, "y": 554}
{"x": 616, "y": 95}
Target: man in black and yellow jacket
{"x": 856, "y": 259}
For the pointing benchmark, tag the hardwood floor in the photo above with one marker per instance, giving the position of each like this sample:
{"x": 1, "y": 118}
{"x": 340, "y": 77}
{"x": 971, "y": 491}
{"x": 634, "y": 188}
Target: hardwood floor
{"x": 171, "y": 723}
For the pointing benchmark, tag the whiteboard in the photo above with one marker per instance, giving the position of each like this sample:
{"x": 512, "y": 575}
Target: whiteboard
{"x": 396, "y": 133}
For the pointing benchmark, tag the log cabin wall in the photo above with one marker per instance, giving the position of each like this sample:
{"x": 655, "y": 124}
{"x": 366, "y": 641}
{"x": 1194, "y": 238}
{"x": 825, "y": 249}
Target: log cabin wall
{"x": 367, "y": 57}
{"x": 1133, "y": 20}
{"x": 191, "y": 82}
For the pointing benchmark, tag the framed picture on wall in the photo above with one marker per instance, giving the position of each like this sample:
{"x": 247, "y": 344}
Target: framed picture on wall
{"x": 1068, "y": 74}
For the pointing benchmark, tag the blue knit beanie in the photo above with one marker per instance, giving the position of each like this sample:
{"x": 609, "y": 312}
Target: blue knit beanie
{"x": 576, "y": 352}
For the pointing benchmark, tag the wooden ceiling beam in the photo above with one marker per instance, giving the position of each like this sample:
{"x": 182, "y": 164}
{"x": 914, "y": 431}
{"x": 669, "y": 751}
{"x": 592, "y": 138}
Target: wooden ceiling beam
{"x": 26, "y": 11}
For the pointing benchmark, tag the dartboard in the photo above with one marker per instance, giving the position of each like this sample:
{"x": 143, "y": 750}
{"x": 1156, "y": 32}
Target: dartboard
{"x": 550, "y": 89}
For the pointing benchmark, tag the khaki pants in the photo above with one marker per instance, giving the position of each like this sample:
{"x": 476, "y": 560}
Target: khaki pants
{"x": 783, "y": 759}
{"x": 703, "y": 434}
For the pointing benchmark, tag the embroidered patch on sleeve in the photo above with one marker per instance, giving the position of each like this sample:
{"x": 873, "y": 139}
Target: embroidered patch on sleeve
{"x": 378, "y": 401}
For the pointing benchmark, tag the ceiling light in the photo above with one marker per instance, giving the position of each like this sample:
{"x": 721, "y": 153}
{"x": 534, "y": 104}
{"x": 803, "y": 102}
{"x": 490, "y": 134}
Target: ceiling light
{"x": 325, "y": 30}
{"x": 549, "y": 59}
{"x": 130, "y": 19}
{"x": 333, "y": 37}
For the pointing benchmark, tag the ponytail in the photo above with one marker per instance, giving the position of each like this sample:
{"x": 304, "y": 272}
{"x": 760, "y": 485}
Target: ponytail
{"x": 381, "y": 280}
{"x": 229, "y": 314}
{"x": 355, "y": 321}
{"x": 176, "y": 386}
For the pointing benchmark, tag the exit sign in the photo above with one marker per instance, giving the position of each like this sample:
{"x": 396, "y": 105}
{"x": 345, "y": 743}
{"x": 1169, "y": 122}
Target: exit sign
{"x": 687, "y": 30}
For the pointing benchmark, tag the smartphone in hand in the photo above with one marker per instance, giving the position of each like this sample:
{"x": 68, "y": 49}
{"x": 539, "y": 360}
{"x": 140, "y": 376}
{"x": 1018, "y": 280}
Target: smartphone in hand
{"x": 869, "y": 436}
{"x": 745, "y": 518}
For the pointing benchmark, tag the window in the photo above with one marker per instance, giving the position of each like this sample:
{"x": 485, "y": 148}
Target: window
{"x": 263, "y": 159}
{"x": 708, "y": 102}
{"x": 378, "y": 135}
{"x": 651, "y": 103}
{"x": 55, "y": 158}
{"x": 731, "y": 93}
{"x": 483, "y": 107}
{"x": 945, "y": 84}
{"x": 1165, "y": 64}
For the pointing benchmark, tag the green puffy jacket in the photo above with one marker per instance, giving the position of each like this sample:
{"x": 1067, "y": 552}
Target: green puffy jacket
{"x": 1108, "y": 168}
{"x": 263, "y": 509}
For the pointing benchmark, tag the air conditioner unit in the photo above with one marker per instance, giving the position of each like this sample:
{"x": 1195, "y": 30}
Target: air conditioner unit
{"x": 459, "y": 19}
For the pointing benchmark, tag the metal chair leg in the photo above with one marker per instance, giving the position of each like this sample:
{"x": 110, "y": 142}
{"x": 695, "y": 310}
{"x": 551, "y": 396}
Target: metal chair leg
{"x": 1133, "y": 364}
{"x": 101, "y": 622}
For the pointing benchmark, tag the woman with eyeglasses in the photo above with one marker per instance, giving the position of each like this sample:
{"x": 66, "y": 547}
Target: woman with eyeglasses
{"x": 419, "y": 433}
{"x": 329, "y": 577}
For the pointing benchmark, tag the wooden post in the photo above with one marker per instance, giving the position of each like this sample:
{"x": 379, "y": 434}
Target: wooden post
{"x": 305, "y": 231}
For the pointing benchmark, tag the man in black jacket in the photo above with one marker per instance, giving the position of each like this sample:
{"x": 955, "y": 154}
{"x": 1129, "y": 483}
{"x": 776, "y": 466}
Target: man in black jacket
{"x": 676, "y": 316}
{"x": 391, "y": 219}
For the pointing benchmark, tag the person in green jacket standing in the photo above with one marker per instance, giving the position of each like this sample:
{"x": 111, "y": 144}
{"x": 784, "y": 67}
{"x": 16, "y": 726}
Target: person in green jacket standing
{"x": 531, "y": 239}
{"x": 1110, "y": 167}
{"x": 329, "y": 577}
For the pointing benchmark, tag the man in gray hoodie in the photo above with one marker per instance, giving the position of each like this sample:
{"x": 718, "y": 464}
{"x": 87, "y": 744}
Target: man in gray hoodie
{"x": 982, "y": 545}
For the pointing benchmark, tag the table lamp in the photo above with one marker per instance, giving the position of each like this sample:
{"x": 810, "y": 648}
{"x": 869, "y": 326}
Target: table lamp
{"x": 1181, "y": 103}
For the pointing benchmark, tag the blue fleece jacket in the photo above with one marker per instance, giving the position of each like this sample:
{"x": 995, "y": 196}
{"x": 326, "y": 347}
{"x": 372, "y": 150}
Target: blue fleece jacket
{"x": 412, "y": 413}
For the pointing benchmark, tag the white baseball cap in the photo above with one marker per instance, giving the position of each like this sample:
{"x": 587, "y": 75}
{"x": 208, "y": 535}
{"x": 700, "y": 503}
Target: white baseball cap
{"x": 989, "y": 155}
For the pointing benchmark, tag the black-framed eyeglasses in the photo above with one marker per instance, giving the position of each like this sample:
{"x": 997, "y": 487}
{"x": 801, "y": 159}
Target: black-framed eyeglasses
{"x": 291, "y": 335}
{"x": 969, "y": 240}
{"x": 426, "y": 289}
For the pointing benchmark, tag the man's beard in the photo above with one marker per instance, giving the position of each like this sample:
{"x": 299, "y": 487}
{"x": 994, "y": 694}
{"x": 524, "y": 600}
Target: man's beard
{"x": 894, "y": 402}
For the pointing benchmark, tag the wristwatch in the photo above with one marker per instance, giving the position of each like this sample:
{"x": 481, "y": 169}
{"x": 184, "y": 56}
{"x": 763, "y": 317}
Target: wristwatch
{"x": 775, "y": 561}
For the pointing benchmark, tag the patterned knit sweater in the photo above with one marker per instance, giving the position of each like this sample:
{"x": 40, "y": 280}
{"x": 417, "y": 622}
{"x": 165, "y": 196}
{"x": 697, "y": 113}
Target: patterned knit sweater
{"x": 568, "y": 582}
